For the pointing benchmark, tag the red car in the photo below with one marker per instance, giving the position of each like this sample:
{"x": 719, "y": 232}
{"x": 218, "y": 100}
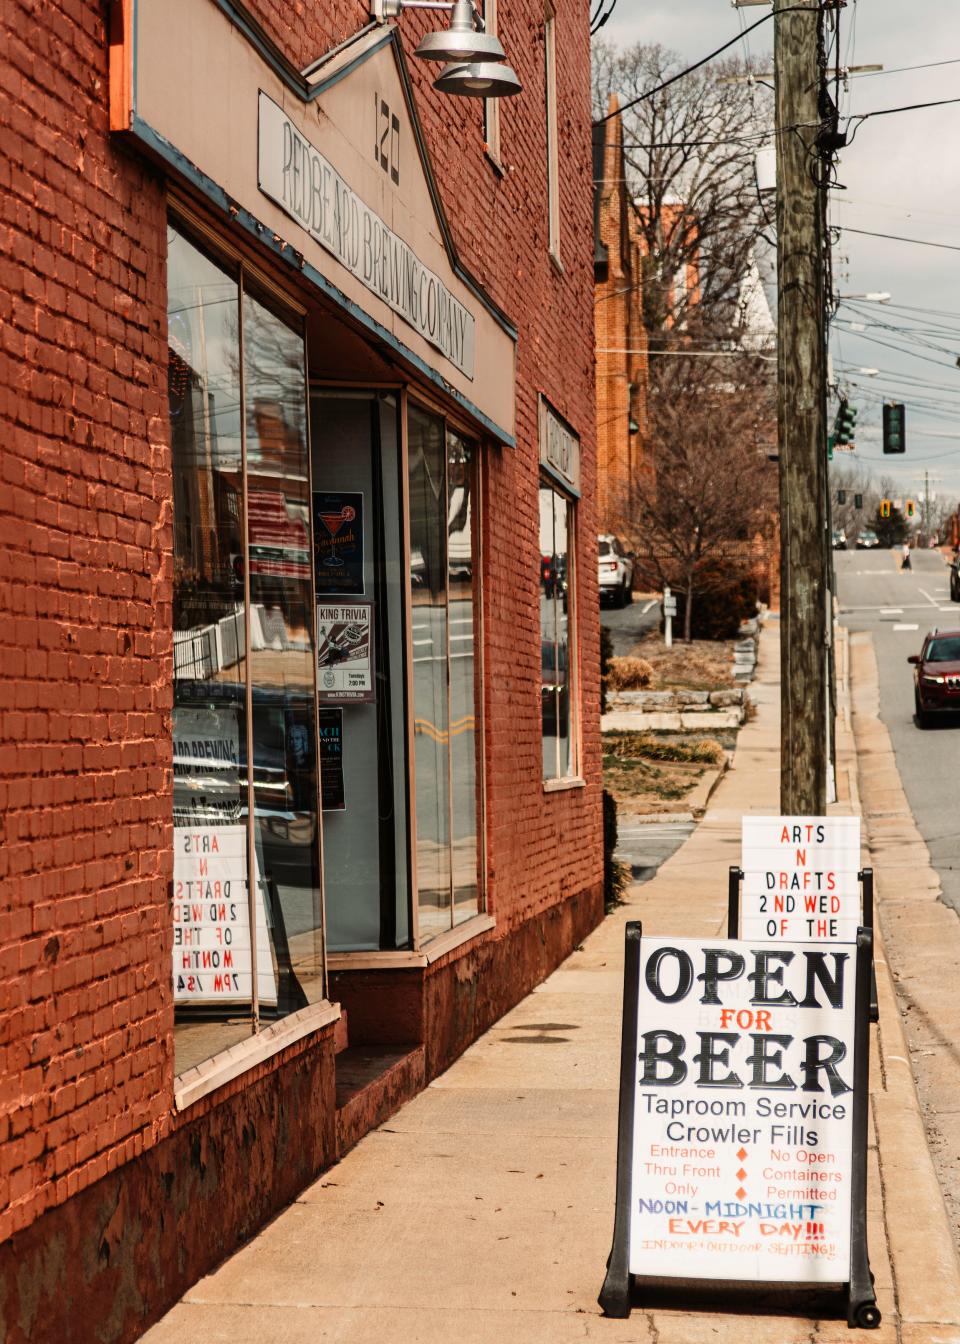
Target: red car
{"x": 936, "y": 675}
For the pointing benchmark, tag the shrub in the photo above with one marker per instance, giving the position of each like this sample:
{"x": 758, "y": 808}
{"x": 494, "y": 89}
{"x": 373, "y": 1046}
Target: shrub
{"x": 724, "y": 594}
{"x": 629, "y": 674}
{"x": 616, "y": 875}
{"x": 606, "y": 653}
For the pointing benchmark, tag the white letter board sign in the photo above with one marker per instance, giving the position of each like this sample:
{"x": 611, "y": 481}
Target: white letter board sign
{"x": 800, "y": 879}
{"x": 743, "y": 1112}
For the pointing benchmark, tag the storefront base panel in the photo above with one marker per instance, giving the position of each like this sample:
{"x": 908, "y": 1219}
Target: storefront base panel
{"x": 447, "y": 1005}
{"x": 107, "y": 1263}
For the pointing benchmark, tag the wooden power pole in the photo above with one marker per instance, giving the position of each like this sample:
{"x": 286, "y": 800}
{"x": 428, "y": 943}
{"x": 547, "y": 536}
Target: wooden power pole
{"x": 801, "y": 416}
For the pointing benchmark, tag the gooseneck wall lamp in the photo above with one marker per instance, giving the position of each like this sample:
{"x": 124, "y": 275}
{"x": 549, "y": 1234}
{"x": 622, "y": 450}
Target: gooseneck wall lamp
{"x": 474, "y": 60}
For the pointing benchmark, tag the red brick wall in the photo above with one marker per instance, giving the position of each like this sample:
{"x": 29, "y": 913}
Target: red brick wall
{"x": 85, "y": 746}
{"x": 621, "y": 342}
{"x": 84, "y": 518}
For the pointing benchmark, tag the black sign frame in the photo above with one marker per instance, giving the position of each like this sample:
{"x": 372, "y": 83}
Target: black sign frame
{"x": 865, "y": 877}
{"x": 617, "y": 1292}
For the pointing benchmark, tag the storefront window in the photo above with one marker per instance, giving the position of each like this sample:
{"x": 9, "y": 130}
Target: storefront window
{"x": 247, "y": 928}
{"x": 443, "y": 550}
{"x": 358, "y": 565}
{"x": 557, "y": 596}
{"x": 282, "y": 654}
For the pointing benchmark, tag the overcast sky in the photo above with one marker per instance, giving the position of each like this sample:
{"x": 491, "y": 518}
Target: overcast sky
{"x": 902, "y": 175}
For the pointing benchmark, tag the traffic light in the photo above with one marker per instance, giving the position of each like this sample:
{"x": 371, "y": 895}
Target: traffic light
{"x": 841, "y": 496}
{"x": 845, "y": 424}
{"x": 911, "y": 508}
{"x": 894, "y": 427}
{"x": 884, "y": 508}
{"x": 858, "y": 501}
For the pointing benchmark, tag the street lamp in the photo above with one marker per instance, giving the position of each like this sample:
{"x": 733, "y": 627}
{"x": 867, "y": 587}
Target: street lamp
{"x": 873, "y": 297}
{"x": 474, "y": 60}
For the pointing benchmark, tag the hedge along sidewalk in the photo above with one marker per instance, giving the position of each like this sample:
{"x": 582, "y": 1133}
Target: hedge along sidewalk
{"x": 483, "y": 1210}
{"x": 919, "y": 937}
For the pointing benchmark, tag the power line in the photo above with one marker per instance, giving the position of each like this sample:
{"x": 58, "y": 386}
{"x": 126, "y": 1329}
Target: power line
{"x": 899, "y": 69}
{"x": 898, "y": 237}
{"x": 790, "y": 9}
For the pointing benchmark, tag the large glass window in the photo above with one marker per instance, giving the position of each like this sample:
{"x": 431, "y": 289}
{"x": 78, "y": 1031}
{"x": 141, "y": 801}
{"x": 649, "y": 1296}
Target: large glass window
{"x": 358, "y": 561}
{"x": 557, "y": 596}
{"x": 247, "y": 923}
{"x": 443, "y": 569}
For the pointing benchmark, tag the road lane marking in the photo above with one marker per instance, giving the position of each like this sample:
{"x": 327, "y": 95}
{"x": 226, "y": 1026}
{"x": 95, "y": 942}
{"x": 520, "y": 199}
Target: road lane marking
{"x": 891, "y": 611}
{"x": 650, "y": 604}
{"x": 908, "y": 606}
{"x": 906, "y": 627}
{"x": 931, "y": 600}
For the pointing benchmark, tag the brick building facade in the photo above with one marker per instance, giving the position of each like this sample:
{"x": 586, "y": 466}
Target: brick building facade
{"x": 621, "y": 369}
{"x": 263, "y": 287}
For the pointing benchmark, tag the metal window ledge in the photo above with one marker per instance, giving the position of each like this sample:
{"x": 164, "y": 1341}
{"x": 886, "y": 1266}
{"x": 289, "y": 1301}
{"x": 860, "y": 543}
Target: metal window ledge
{"x": 432, "y": 951}
{"x": 220, "y": 1069}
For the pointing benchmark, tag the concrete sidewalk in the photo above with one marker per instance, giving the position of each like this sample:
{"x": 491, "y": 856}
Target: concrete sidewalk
{"x": 482, "y": 1212}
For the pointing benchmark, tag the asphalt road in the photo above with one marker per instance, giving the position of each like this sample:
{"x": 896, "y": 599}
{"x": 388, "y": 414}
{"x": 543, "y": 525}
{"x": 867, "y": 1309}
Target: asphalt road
{"x": 629, "y": 623}
{"x": 898, "y": 609}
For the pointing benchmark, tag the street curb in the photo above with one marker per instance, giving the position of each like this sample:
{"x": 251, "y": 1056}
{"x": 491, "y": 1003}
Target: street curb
{"x": 926, "y": 1269}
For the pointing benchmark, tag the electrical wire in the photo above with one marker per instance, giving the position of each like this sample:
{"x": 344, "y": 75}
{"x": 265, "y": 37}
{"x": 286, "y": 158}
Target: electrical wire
{"x": 899, "y": 69}
{"x": 790, "y": 9}
{"x": 897, "y": 237}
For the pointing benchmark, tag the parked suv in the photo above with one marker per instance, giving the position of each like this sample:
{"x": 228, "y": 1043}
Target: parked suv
{"x": 936, "y": 675}
{"x": 615, "y": 572}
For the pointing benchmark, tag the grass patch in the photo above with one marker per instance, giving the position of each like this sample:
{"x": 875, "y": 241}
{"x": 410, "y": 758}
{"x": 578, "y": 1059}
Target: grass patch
{"x": 639, "y": 748}
{"x": 701, "y": 665}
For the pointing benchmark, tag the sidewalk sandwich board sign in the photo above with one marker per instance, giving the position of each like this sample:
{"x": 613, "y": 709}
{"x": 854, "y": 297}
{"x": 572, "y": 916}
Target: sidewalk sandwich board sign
{"x": 800, "y": 878}
{"x": 742, "y": 1142}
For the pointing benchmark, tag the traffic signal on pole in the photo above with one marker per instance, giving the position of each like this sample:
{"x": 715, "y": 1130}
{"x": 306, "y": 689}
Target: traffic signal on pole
{"x": 911, "y": 508}
{"x": 846, "y": 423}
{"x": 841, "y": 496}
{"x": 884, "y": 508}
{"x": 894, "y": 427}
{"x": 858, "y": 501}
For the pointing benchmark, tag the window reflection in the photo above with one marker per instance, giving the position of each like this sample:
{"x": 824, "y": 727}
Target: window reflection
{"x": 233, "y": 531}
{"x": 212, "y": 962}
{"x": 463, "y": 676}
{"x": 428, "y": 579}
{"x": 556, "y": 605}
{"x": 281, "y": 659}
{"x": 443, "y": 568}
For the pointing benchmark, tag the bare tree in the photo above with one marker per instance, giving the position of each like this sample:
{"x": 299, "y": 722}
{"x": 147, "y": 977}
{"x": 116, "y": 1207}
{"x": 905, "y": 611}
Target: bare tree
{"x": 711, "y": 422}
{"x": 690, "y": 153}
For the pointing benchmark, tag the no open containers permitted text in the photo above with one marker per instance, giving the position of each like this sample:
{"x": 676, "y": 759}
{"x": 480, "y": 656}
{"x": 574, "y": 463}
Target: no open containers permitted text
{"x": 742, "y": 1142}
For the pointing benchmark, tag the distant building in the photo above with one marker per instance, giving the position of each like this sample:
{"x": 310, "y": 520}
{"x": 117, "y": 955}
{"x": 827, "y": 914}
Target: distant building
{"x": 621, "y": 367}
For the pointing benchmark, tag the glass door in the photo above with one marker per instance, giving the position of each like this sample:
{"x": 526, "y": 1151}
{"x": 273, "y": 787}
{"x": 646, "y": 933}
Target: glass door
{"x": 359, "y": 584}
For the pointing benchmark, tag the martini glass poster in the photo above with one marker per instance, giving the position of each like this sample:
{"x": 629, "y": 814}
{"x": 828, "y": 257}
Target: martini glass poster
{"x": 338, "y": 541}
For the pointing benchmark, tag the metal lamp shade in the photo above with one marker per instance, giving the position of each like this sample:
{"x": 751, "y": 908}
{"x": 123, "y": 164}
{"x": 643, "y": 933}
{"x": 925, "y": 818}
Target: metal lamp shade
{"x": 461, "y": 41}
{"x": 480, "y": 79}
{"x": 448, "y": 45}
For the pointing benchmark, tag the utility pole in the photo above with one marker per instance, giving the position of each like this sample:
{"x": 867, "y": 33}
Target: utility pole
{"x": 801, "y": 415}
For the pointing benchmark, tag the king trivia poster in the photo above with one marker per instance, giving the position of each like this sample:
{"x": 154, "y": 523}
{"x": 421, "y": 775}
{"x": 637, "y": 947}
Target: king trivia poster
{"x": 743, "y": 1119}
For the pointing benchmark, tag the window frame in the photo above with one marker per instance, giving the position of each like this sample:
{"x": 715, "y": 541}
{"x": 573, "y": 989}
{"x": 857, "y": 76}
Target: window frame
{"x": 491, "y": 106}
{"x": 551, "y": 112}
{"x": 265, "y": 1040}
{"x": 427, "y": 950}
